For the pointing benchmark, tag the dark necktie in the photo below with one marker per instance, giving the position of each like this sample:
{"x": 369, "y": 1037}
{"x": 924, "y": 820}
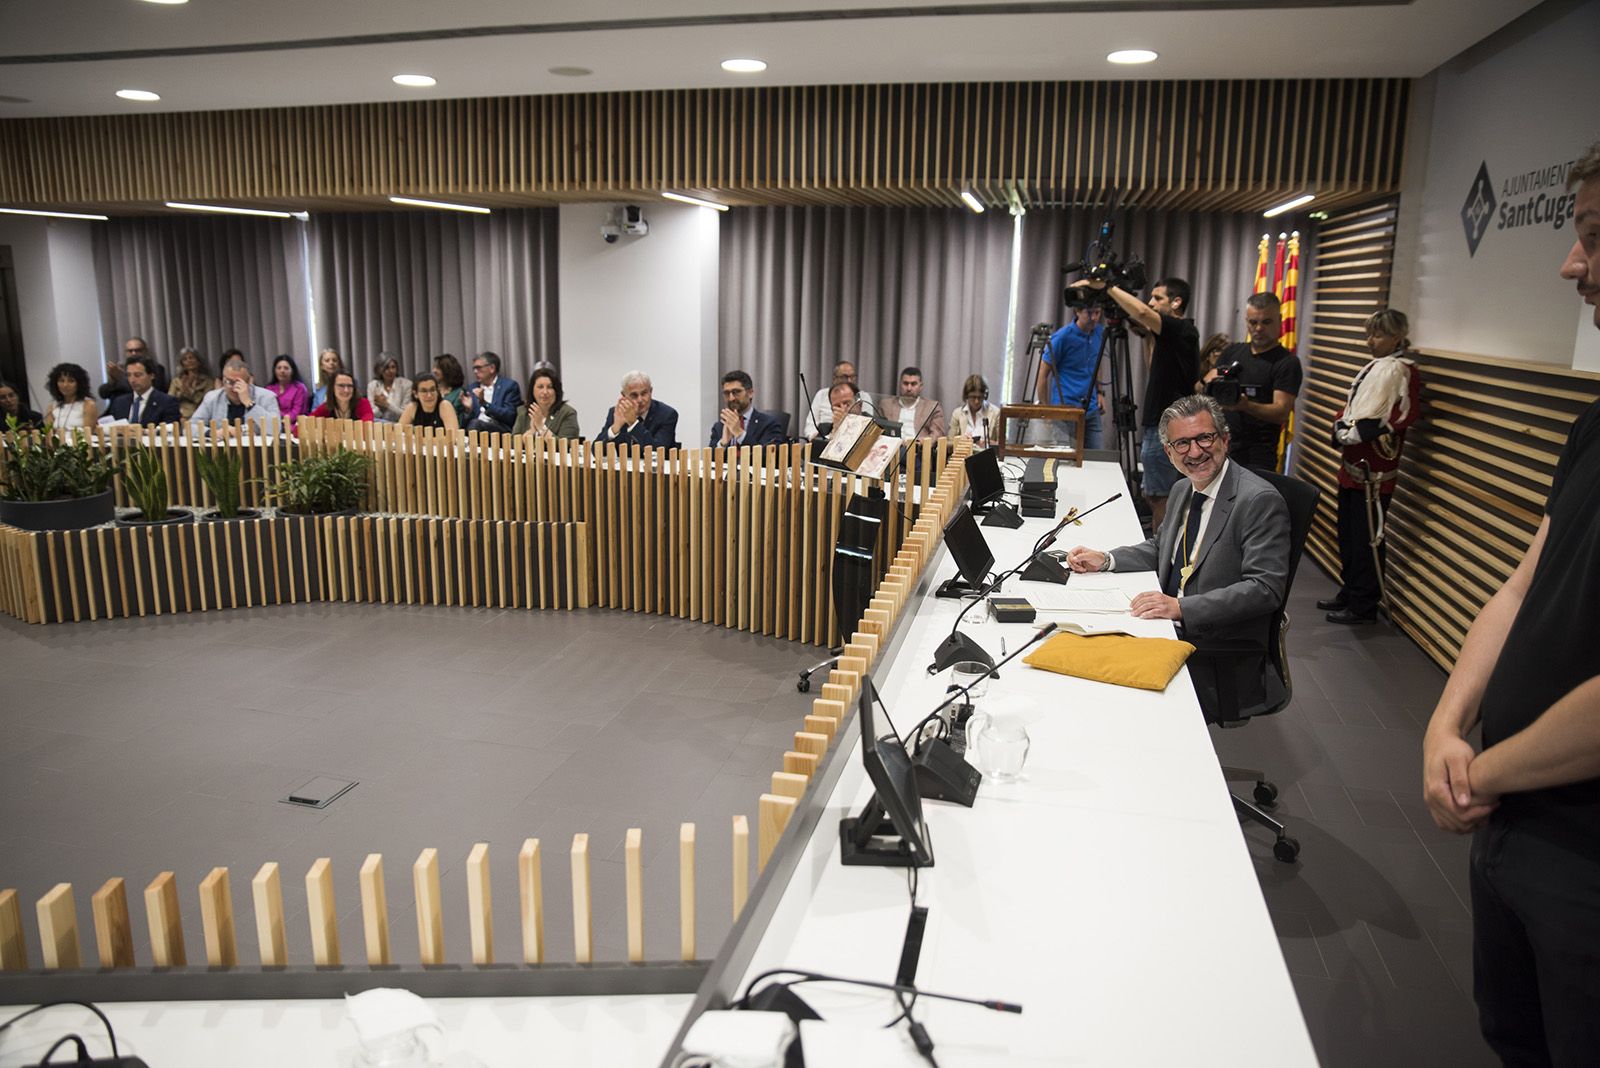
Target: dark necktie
{"x": 1186, "y": 547}
{"x": 133, "y": 416}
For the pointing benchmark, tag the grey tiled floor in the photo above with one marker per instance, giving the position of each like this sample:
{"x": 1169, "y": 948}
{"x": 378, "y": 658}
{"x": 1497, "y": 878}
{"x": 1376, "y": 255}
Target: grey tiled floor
{"x": 134, "y": 746}
{"x": 1374, "y": 920}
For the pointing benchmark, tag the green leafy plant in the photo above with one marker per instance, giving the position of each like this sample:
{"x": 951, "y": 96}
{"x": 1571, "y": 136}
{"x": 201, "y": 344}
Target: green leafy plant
{"x": 336, "y": 482}
{"x": 146, "y": 482}
{"x": 220, "y": 472}
{"x": 39, "y": 466}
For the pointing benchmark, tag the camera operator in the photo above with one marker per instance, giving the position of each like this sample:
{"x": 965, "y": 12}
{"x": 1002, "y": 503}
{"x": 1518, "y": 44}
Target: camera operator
{"x": 1171, "y": 359}
{"x": 1256, "y": 382}
{"x": 1067, "y": 372}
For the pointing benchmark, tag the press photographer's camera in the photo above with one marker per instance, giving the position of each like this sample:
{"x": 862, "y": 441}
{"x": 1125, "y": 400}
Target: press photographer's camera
{"x": 1226, "y": 389}
{"x": 1102, "y": 264}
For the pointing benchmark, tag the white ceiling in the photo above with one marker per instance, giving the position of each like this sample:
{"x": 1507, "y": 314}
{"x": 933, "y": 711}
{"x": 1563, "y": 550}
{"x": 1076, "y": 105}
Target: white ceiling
{"x": 845, "y": 44}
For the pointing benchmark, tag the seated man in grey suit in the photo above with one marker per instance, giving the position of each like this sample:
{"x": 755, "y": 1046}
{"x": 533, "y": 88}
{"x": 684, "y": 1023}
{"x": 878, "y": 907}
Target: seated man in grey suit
{"x": 239, "y": 398}
{"x": 1222, "y": 553}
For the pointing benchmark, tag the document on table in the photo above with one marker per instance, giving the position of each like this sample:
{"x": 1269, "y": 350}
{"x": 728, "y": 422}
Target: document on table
{"x": 1075, "y": 598}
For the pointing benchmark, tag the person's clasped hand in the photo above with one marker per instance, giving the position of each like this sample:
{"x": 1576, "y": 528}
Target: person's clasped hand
{"x": 1447, "y": 783}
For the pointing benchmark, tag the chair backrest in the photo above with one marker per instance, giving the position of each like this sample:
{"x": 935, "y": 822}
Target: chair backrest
{"x": 1301, "y": 497}
{"x": 784, "y": 419}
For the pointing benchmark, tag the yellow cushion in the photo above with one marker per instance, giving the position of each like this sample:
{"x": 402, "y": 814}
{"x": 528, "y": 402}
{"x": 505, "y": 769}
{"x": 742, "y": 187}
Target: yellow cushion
{"x": 1120, "y": 659}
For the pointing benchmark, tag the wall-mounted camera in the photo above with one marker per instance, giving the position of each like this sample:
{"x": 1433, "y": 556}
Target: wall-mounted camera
{"x": 627, "y": 219}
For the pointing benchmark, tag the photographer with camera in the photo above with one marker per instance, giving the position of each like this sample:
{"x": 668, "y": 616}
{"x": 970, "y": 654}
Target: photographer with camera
{"x": 1256, "y": 382}
{"x": 1068, "y": 368}
{"x": 1171, "y": 359}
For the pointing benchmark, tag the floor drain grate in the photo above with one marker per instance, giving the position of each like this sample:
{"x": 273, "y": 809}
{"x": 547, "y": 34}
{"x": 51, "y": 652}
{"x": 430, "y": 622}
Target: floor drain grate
{"x": 319, "y": 792}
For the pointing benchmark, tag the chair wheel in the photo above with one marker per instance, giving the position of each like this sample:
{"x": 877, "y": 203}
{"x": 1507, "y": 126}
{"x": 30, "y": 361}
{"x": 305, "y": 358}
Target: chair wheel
{"x": 1266, "y": 793}
{"x": 804, "y": 685}
{"x": 1286, "y": 849}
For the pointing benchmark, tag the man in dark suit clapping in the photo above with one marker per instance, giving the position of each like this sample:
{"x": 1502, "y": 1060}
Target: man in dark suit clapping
{"x": 143, "y": 404}
{"x": 638, "y": 418}
{"x": 740, "y": 422}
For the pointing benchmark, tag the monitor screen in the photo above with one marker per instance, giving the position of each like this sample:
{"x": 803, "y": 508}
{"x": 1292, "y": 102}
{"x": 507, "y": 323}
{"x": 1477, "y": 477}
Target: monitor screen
{"x": 983, "y": 476}
{"x": 968, "y": 547}
{"x": 894, "y": 780}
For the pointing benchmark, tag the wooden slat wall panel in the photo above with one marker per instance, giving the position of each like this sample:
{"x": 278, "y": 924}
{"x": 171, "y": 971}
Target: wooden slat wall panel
{"x": 741, "y": 538}
{"x": 1232, "y": 145}
{"x": 1477, "y": 465}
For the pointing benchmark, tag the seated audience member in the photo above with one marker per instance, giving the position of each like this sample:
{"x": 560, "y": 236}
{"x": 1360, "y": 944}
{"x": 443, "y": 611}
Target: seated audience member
{"x": 493, "y": 403}
{"x": 547, "y": 413}
{"x": 740, "y": 422}
{"x": 389, "y": 391}
{"x": 143, "y": 404}
{"x": 447, "y": 369}
{"x": 428, "y": 408}
{"x": 822, "y": 407}
{"x": 328, "y": 365}
{"x": 294, "y": 399}
{"x": 116, "y": 380}
{"x": 239, "y": 398}
{"x": 1208, "y": 358}
{"x": 918, "y": 416}
{"x": 1222, "y": 553}
{"x": 342, "y": 402}
{"x": 976, "y": 418}
{"x": 12, "y": 406}
{"x": 74, "y": 408}
{"x": 638, "y": 419}
{"x": 194, "y": 381}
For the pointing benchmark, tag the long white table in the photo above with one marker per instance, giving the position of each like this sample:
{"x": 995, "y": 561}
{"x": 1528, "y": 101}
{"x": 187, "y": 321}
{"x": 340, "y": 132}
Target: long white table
{"x": 1110, "y": 893}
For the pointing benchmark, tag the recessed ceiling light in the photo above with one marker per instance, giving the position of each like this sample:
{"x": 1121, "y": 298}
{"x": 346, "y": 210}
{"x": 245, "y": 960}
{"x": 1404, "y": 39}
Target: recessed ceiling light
{"x": 696, "y": 201}
{"x": 571, "y": 72}
{"x": 1131, "y": 55}
{"x": 441, "y": 204}
{"x": 138, "y": 94}
{"x": 51, "y": 214}
{"x": 1289, "y": 205}
{"x": 415, "y": 81}
{"x": 224, "y": 210}
{"x": 744, "y": 66}
{"x": 972, "y": 202}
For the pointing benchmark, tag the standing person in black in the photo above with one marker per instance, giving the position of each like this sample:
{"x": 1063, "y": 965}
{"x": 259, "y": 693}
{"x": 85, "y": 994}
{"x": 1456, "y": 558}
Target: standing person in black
{"x": 1266, "y": 368}
{"x": 1529, "y": 673}
{"x": 1171, "y": 359}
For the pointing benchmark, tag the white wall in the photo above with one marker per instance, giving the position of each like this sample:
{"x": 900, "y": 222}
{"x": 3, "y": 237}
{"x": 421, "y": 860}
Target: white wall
{"x": 646, "y": 303}
{"x": 59, "y": 308}
{"x": 1521, "y": 106}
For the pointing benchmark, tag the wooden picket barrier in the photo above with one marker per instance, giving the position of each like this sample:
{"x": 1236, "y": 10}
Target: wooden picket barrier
{"x": 740, "y": 538}
{"x": 60, "y": 940}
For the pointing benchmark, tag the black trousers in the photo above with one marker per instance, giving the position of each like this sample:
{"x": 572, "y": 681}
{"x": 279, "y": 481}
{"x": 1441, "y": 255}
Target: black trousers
{"x": 1357, "y": 572}
{"x": 1535, "y": 946}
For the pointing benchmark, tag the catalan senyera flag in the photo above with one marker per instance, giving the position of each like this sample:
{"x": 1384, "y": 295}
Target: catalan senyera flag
{"x": 1291, "y": 287}
{"x": 1261, "y": 265}
{"x": 1277, "y": 267}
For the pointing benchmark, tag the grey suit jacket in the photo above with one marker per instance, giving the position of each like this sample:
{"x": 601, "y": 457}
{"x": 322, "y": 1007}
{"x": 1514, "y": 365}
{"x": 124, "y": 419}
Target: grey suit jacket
{"x": 215, "y": 407}
{"x": 1243, "y": 565}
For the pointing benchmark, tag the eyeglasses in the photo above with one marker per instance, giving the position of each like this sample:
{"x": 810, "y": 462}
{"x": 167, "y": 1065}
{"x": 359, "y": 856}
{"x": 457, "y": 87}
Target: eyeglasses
{"x": 480, "y": 367}
{"x": 1205, "y": 441}
{"x": 735, "y": 392}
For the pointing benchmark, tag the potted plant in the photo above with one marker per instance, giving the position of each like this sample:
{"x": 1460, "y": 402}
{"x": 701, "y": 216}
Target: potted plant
{"x": 333, "y": 483}
{"x": 146, "y": 482}
{"x": 51, "y": 484}
{"x": 221, "y": 472}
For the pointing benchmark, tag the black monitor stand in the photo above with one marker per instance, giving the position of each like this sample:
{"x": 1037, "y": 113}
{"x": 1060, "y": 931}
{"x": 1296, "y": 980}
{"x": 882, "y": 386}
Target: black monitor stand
{"x": 870, "y": 840}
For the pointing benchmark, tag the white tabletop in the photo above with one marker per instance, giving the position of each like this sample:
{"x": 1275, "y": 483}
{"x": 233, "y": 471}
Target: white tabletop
{"x": 1110, "y": 893}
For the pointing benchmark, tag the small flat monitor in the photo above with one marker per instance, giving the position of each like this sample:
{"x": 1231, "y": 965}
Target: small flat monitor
{"x": 967, "y": 545}
{"x": 890, "y": 831}
{"x": 984, "y": 479}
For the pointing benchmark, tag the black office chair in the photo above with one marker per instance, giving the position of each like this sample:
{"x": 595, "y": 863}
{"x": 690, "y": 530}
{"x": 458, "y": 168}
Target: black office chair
{"x": 1231, "y": 660}
{"x": 784, "y": 419}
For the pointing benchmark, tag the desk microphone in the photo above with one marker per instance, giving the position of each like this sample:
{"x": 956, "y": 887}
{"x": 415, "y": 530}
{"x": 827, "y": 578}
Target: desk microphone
{"x": 942, "y": 774}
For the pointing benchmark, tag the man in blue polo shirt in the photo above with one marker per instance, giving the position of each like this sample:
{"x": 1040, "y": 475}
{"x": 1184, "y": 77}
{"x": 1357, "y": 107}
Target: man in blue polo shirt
{"x": 1067, "y": 371}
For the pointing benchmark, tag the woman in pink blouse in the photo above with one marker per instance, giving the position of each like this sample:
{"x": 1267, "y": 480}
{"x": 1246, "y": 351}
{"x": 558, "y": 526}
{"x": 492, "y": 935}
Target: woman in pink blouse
{"x": 294, "y": 400}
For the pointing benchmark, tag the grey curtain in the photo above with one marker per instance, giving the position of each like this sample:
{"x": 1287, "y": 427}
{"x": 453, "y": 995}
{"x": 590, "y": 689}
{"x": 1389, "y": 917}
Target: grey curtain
{"x": 421, "y": 283}
{"x": 208, "y": 283}
{"x": 802, "y": 288}
{"x": 1215, "y": 252}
